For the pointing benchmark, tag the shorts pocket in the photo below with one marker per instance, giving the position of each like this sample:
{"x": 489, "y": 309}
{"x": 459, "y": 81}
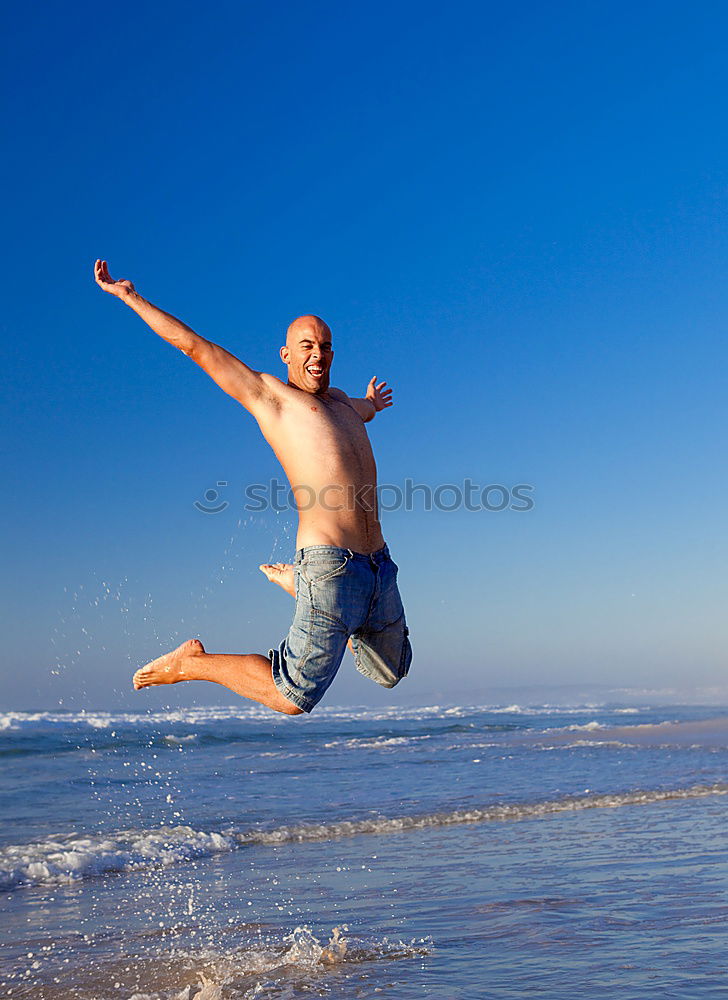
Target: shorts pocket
{"x": 322, "y": 568}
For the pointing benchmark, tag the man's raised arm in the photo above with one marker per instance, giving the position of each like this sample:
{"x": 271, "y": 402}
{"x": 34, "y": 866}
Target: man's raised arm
{"x": 234, "y": 377}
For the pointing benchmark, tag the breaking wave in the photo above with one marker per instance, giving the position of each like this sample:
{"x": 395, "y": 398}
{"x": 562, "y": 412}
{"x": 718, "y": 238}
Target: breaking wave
{"x": 69, "y": 858}
{"x": 199, "y": 715}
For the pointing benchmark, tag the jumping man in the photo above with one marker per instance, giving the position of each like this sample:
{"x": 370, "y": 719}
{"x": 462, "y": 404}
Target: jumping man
{"x": 343, "y": 579}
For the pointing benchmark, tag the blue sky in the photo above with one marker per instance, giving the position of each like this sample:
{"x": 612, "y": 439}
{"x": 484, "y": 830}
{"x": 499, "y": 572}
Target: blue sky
{"x": 516, "y": 215}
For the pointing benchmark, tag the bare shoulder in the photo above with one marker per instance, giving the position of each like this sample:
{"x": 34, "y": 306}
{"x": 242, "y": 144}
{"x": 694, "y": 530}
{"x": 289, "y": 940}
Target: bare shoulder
{"x": 278, "y": 397}
{"x": 361, "y": 407}
{"x": 340, "y": 395}
{"x": 272, "y": 384}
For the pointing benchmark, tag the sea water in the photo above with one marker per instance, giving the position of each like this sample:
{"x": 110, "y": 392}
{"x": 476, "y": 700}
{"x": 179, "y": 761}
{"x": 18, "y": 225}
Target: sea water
{"x": 441, "y": 851}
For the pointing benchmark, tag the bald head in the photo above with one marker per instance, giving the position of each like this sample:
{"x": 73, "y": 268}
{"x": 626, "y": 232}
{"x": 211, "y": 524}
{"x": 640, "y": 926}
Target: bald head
{"x": 308, "y": 354}
{"x": 307, "y": 324}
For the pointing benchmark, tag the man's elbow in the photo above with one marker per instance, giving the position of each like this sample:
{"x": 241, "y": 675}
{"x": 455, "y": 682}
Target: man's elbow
{"x": 195, "y": 349}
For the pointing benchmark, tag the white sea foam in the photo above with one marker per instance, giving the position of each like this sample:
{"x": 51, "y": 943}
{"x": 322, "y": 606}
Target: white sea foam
{"x": 375, "y": 742}
{"x": 471, "y": 746}
{"x": 103, "y": 720}
{"x": 495, "y": 813}
{"x": 580, "y": 744}
{"x": 70, "y": 858}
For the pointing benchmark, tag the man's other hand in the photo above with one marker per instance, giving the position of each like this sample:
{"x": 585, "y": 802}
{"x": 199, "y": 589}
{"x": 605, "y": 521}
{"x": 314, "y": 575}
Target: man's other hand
{"x": 378, "y": 395}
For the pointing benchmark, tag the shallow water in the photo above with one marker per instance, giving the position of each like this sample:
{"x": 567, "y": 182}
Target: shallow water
{"x": 444, "y": 851}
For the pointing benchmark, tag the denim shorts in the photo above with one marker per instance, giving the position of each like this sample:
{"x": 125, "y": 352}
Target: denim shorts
{"x": 341, "y": 594}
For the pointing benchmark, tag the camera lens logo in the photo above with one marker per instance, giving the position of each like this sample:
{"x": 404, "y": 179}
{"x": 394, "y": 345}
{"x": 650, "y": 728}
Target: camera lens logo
{"x": 211, "y": 505}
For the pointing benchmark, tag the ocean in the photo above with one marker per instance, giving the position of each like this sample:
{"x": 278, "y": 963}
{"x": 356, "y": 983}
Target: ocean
{"x": 441, "y": 851}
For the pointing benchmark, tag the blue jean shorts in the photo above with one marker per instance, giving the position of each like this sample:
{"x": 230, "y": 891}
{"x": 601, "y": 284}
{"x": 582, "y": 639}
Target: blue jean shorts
{"x": 341, "y": 594}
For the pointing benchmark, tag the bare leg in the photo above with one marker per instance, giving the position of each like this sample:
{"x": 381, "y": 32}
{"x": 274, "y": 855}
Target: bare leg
{"x": 247, "y": 674}
{"x": 282, "y": 574}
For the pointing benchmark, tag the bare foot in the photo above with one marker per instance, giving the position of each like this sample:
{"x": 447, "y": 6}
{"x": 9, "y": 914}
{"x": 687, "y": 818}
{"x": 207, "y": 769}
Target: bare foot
{"x": 170, "y": 668}
{"x": 282, "y": 574}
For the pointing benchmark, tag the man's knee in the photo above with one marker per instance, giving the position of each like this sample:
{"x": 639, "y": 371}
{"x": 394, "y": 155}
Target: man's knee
{"x": 290, "y": 709}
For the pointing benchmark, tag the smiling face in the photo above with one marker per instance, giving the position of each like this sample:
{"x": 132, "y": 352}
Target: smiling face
{"x": 308, "y": 354}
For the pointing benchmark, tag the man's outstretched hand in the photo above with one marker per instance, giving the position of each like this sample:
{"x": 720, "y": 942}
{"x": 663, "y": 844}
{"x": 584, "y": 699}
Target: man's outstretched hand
{"x": 105, "y": 281}
{"x": 378, "y": 395}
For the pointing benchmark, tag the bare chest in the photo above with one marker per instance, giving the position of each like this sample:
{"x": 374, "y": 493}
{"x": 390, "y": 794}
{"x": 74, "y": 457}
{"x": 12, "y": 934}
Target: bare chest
{"x": 329, "y": 429}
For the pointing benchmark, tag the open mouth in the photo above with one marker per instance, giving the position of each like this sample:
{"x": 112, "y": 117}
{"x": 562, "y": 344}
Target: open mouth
{"x": 315, "y": 370}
